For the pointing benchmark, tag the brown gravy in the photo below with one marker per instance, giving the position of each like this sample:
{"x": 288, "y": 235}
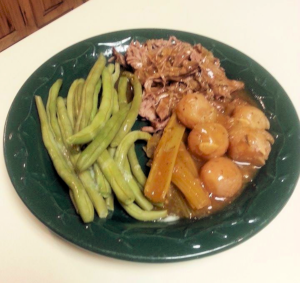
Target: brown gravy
{"x": 175, "y": 202}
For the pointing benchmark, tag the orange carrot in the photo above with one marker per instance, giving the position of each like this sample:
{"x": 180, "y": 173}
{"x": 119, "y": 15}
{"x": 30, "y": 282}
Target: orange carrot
{"x": 159, "y": 179}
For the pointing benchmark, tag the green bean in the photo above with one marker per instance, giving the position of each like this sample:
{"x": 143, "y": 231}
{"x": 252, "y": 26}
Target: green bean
{"x": 115, "y": 104}
{"x": 116, "y": 107}
{"x": 139, "y": 196}
{"x": 81, "y": 115}
{"x": 53, "y": 121}
{"x": 132, "y": 114}
{"x": 140, "y": 186}
{"x": 94, "y": 193}
{"x": 90, "y": 186}
{"x": 127, "y": 166}
{"x": 139, "y": 214}
{"x": 66, "y": 130}
{"x": 112, "y": 151}
{"x": 107, "y": 188}
{"x": 116, "y": 74}
{"x": 79, "y": 94}
{"x": 71, "y": 102}
{"x": 51, "y": 109}
{"x": 104, "y": 112}
{"x": 122, "y": 90}
{"x": 95, "y": 100}
{"x": 111, "y": 68}
{"x": 101, "y": 142}
{"x": 62, "y": 114}
{"x": 80, "y": 197}
{"x": 127, "y": 142}
{"x": 103, "y": 185}
{"x": 89, "y": 89}
{"x": 73, "y": 200}
{"x": 121, "y": 160}
{"x": 135, "y": 166}
{"x": 77, "y": 100}
{"x": 135, "y": 185}
{"x": 110, "y": 203}
{"x": 115, "y": 178}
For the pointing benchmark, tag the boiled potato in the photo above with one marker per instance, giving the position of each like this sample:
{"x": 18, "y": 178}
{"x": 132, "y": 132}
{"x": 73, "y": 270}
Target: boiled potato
{"x": 221, "y": 177}
{"x": 251, "y": 117}
{"x": 194, "y": 109}
{"x": 208, "y": 140}
{"x": 249, "y": 145}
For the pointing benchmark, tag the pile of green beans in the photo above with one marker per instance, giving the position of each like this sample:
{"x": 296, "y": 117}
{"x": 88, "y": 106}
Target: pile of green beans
{"x": 88, "y": 137}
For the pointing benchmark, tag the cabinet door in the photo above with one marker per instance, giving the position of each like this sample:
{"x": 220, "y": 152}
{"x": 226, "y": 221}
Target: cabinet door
{"x": 16, "y": 21}
{"x": 46, "y": 11}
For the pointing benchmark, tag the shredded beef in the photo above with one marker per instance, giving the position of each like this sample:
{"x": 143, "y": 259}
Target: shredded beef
{"x": 169, "y": 69}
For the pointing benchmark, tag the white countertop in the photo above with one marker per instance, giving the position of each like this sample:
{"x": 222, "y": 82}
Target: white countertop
{"x": 267, "y": 31}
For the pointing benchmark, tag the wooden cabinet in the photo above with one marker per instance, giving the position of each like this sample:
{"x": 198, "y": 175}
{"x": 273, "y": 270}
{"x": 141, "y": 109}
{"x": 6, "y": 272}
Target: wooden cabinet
{"x": 46, "y": 11}
{"x": 16, "y": 21}
{"x": 19, "y": 18}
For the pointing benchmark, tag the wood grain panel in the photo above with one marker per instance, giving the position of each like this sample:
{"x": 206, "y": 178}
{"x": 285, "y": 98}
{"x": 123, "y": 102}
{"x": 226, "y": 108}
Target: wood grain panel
{"x": 6, "y": 26}
{"x": 18, "y": 16}
{"x": 51, "y": 5}
{"x": 45, "y": 11}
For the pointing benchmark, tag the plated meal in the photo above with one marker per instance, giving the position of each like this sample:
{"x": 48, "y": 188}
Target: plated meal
{"x": 153, "y": 145}
{"x": 208, "y": 138}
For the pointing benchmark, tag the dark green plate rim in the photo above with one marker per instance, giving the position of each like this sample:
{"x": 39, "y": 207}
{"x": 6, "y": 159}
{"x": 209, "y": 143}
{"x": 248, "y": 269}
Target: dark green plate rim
{"x": 38, "y": 186}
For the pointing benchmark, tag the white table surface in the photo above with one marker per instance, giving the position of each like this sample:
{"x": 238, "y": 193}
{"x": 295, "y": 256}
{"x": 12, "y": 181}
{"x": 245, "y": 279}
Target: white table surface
{"x": 267, "y": 31}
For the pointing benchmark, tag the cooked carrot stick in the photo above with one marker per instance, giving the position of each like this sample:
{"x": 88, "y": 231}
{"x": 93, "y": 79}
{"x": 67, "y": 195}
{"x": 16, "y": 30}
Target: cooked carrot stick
{"x": 159, "y": 179}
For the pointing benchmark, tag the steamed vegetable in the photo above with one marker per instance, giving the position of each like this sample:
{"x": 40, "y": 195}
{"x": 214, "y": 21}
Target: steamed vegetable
{"x": 71, "y": 102}
{"x": 188, "y": 181}
{"x": 89, "y": 133}
{"x": 102, "y": 140}
{"x": 79, "y": 196}
{"x": 136, "y": 167}
{"x": 89, "y": 89}
{"x": 122, "y": 91}
{"x": 100, "y": 171}
{"x": 88, "y": 182}
{"x": 122, "y": 161}
{"x": 132, "y": 115}
{"x": 115, "y": 178}
{"x": 159, "y": 179}
{"x": 95, "y": 100}
{"x": 51, "y": 109}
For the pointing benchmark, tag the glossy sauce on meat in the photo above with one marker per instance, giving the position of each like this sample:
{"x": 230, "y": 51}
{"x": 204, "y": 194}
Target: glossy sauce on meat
{"x": 176, "y": 204}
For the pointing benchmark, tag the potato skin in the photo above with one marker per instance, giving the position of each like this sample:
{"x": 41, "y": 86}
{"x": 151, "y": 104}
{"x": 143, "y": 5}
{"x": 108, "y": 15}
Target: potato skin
{"x": 208, "y": 140}
{"x": 194, "y": 109}
{"x": 251, "y": 117}
{"x": 221, "y": 177}
{"x": 249, "y": 145}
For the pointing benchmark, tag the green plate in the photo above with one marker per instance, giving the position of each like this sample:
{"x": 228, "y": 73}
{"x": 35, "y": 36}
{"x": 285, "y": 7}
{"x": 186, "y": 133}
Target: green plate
{"x": 120, "y": 236}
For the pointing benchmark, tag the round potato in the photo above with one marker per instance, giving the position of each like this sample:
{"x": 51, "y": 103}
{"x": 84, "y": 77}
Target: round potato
{"x": 252, "y": 117}
{"x": 249, "y": 145}
{"x": 221, "y": 177}
{"x": 194, "y": 109}
{"x": 208, "y": 140}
